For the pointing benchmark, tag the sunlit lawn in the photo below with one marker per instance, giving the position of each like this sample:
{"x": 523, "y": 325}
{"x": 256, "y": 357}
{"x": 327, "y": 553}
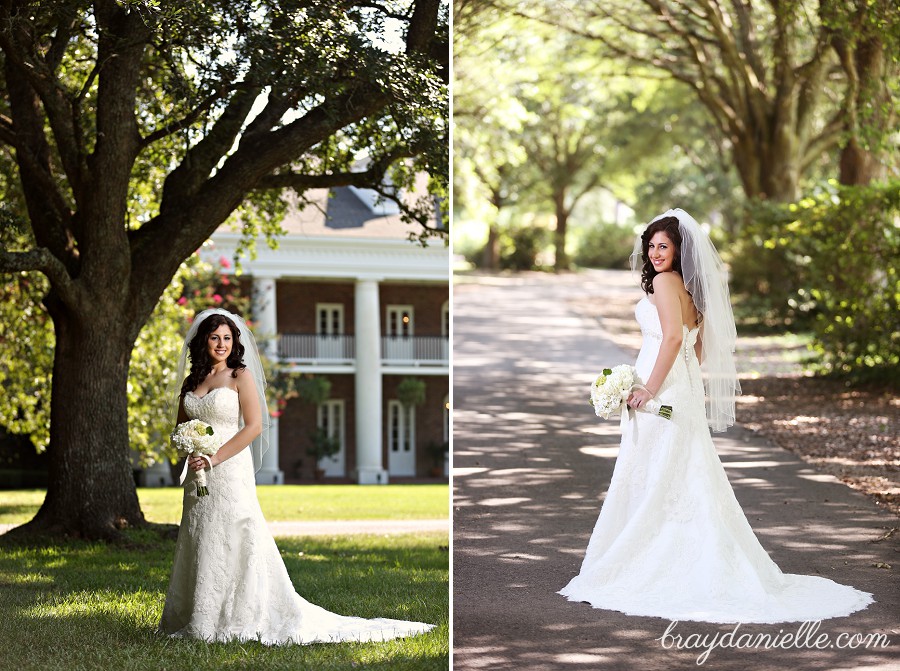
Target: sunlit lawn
{"x": 89, "y": 606}
{"x": 284, "y": 503}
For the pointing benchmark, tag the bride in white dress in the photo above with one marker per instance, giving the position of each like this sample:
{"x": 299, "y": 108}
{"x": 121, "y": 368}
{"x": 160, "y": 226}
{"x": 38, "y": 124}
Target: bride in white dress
{"x": 228, "y": 580}
{"x": 671, "y": 540}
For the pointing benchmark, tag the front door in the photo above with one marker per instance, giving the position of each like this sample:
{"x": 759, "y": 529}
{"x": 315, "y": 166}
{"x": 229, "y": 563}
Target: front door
{"x": 401, "y": 439}
{"x": 331, "y": 420}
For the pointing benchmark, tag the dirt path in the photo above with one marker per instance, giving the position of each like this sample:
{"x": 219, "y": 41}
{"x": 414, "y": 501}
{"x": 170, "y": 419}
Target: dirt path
{"x": 531, "y": 464}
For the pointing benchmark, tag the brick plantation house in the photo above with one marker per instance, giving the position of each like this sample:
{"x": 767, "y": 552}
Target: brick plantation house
{"x": 352, "y": 299}
{"x": 348, "y": 297}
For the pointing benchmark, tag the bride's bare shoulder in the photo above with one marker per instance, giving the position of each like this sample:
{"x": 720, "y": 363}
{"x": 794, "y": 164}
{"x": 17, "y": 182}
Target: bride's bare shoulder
{"x": 668, "y": 283}
{"x": 244, "y": 380}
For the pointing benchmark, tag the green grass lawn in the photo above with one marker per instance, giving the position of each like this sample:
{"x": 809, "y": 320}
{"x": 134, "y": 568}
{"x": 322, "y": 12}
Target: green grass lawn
{"x": 279, "y": 503}
{"x": 83, "y": 605}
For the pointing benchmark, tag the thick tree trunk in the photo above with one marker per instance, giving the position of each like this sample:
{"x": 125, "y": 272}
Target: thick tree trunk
{"x": 91, "y": 491}
{"x": 858, "y": 165}
{"x": 491, "y": 254}
{"x": 769, "y": 170}
{"x": 559, "y": 235}
{"x": 859, "y": 39}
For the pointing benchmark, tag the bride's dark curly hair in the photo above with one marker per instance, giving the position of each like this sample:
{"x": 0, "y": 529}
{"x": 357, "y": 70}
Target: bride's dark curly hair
{"x": 669, "y": 226}
{"x": 201, "y": 365}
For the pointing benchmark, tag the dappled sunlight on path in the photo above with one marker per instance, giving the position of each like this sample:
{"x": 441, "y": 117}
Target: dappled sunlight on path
{"x": 532, "y": 464}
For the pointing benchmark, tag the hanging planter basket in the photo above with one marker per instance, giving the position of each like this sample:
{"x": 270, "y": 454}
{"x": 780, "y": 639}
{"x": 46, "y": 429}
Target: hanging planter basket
{"x": 313, "y": 390}
{"x": 411, "y": 391}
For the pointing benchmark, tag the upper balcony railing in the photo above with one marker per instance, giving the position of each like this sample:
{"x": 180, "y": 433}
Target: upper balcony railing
{"x": 319, "y": 349}
{"x": 302, "y": 348}
{"x": 415, "y": 350}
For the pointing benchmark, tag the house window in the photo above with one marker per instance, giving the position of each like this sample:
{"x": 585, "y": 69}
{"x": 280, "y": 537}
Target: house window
{"x": 399, "y": 320}
{"x": 445, "y": 319}
{"x": 329, "y": 319}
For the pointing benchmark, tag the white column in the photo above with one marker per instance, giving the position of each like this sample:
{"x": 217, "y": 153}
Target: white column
{"x": 265, "y": 315}
{"x": 367, "y": 327}
{"x": 269, "y": 473}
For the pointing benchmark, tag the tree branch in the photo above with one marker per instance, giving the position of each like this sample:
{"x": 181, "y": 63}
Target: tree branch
{"x": 7, "y": 132}
{"x": 421, "y": 217}
{"x": 37, "y": 75}
{"x": 749, "y": 46}
{"x": 276, "y": 107}
{"x": 369, "y": 178}
{"x": 199, "y": 161}
{"x": 195, "y": 203}
{"x": 57, "y": 50}
{"x": 181, "y": 123}
{"x": 589, "y": 186}
{"x": 381, "y": 9}
{"x": 47, "y": 208}
{"x": 738, "y": 64}
{"x": 42, "y": 260}
{"x": 826, "y": 139}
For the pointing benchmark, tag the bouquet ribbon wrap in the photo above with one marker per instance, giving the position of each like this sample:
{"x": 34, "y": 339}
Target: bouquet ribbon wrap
{"x": 200, "y": 474}
{"x": 626, "y": 411}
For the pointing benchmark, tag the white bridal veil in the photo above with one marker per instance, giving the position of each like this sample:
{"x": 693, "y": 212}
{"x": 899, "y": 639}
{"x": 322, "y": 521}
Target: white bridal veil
{"x": 254, "y": 366}
{"x": 706, "y": 278}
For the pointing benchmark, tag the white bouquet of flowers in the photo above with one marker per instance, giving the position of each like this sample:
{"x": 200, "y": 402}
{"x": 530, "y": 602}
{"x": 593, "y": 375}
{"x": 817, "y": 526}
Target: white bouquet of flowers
{"x": 613, "y": 386}
{"x": 196, "y": 438}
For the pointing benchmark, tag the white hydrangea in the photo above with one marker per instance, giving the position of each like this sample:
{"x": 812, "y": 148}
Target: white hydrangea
{"x": 195, "y": 437}
{"x": 611, "y": 388}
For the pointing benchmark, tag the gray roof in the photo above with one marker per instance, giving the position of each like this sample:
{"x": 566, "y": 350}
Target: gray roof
{"x": 342, "y": 213}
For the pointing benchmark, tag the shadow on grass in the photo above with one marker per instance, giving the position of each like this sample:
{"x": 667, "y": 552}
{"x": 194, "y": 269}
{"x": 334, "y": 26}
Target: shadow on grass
{"x": 18, "y": 510}
{"x": 114, "y": 641}
{"x": 77, "y": 604}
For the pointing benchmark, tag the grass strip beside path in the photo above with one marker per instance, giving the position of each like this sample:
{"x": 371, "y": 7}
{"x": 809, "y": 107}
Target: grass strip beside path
{"x": 279, "y": 503}
{"x": 85, "y": 605}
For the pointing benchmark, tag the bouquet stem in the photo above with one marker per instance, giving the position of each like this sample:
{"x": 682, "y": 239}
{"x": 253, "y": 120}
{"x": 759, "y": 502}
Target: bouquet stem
{"x": 202, "y": 489}
{"x": 653, "y": 406}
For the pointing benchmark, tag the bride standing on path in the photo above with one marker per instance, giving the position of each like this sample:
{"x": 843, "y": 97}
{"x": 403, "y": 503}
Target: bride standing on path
{"x": 228, "y": 579}
{"x": 671, "y": 540}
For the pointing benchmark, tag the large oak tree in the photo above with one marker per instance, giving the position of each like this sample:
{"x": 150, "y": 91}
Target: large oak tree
{"x": 137, "y": 128}
{"x": 784, "y": 82}
{"x": 759, "y": 69}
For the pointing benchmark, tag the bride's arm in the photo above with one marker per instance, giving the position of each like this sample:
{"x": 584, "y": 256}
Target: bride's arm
{"x": 668, "y": 306}
{"x": 252, "y": 419}
{"x": 182, "y": 415}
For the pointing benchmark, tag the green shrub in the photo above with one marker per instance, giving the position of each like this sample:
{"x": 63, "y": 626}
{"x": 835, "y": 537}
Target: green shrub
{"x": 843, "y": 244}
{"x": 605, "y": 246}
{"x": 765, "y": 281}
{"x": 521, "y": 246}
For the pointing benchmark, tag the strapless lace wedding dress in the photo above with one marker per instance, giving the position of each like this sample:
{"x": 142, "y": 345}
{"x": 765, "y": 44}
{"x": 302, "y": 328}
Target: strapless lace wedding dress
{"x": 228, "y": 580}
{"x": 671, "y": 540}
